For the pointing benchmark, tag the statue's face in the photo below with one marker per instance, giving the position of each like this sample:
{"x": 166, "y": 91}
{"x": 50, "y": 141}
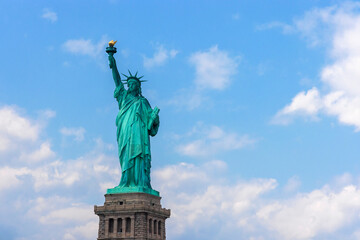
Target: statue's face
{"x": 133, "y": 87}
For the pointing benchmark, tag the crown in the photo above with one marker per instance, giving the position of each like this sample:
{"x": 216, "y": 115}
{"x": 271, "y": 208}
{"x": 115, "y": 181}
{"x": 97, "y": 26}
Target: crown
{"x": 133, "y": 77}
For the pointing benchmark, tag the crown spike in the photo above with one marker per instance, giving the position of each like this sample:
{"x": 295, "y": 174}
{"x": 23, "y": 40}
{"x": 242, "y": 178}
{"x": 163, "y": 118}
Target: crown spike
{"x": 131, "y": 76}
{"x": 125, "y": 75}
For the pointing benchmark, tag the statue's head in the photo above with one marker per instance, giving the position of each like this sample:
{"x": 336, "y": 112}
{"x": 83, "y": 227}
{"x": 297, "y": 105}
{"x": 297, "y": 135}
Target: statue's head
{"x": 134, "y": 84}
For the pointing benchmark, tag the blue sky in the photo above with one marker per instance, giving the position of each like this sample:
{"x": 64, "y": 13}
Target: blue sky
{"x": 260, "y": 115}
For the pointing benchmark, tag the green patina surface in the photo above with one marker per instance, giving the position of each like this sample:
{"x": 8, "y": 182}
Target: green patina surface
{"x": 135, "y": 122}
{"x": 120, "y": 189}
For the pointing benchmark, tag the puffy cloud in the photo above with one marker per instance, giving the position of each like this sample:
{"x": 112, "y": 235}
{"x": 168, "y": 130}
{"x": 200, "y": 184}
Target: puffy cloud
{"x": 217, "y": 202}
{"x": 212, "y": 140}
{"x": 77, "y": 133}
{"x": 340, "y": 25}
{"x": 214, "y": 68}
{"x": 77, "y": 220}
{"x": 85, "y": 47}
{"x": 207, "y": 202}
{"x": 82, "y": 170}
{"x": 33, "y": 157}
{"x": 160, "y": 57}
{"x": 31, "y": 181}
{"x": 243, "y": 208}
{"x": 10, "y": 177}
{"x": 20, "y": 136}
{"x": 16, "y": 129}
{"x": 311, "y": 214}
{"x": 49, "y": 15}
{"x": 13, "y": 125}
{"x": 86, "y": 231}
{"x": 176, "y": 175}
{"x": 41, "y": 185}
{"x": 54, "y": 174}
{"x": 304, "y": 103}
{"x": 44, "y": 152}
{"x": 74, "y": 214}
{"x": 344, "y": 107}
{"x": 309, "y": 103}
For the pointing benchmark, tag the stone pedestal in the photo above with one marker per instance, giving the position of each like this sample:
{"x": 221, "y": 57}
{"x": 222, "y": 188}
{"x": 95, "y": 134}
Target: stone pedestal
{"x": 131, "y": 216}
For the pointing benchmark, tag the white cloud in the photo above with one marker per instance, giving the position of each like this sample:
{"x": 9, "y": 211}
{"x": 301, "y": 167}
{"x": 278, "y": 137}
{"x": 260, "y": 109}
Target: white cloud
{"x": 48, "y": 175}
{"x": 15, "y": 129}
{"x": 243, "y": 209}
{"x": 304, "y": 103}
{"x": 20, "y": 136}
{"x": 69, "y": 214}
{"x": 89, "y": 168}
{"x": 308, "y": 215}
{"x": 174, "y": 175}
{"x": 313, "y": 25}
{"x": 338, "y": 28}
{"x": 207, "y": 203}
{"x": 49, "y": 15}
{"x": 56, "y": 173}
{"x": 9, "y": 177}
{"x": 85, "y": 47}
{"x": 214, "y": 68}
{"x": 217, "y": 202}
{"x": 211, "y": 140}
{"x": 76, "y": 220}
{"x": 86, "y": 231}
{"x": 14, "y": 125}
{"x": 44, "y": 152}
{"x": 44, "y": 173}
{"x": 344, "y": 107}
{"x": 77, "y": 133}
{"x": 160, "y": 57}
{"x": 30, "y": 172}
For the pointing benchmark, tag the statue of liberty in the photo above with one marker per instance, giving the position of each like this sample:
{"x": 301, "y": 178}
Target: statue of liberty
{"x": 135, "y": 121}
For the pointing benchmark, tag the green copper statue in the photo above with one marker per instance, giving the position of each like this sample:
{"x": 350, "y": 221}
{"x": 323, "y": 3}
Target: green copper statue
{"x": 135, "y": 121}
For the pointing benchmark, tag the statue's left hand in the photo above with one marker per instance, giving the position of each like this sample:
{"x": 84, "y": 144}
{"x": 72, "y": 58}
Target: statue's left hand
{"x": 155, "y": 114}
{"x": 156, "y": 120}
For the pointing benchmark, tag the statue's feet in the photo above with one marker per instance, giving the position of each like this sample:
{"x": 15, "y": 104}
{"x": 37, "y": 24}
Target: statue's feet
{"x": 121, "y": 189}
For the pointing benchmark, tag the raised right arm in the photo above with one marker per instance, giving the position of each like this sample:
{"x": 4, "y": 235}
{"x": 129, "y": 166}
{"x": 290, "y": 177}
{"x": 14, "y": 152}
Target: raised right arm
{"x": 115, "y": 72}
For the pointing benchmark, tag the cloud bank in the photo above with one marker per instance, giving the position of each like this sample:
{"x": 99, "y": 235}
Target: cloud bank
{"x": 51, "y": 197}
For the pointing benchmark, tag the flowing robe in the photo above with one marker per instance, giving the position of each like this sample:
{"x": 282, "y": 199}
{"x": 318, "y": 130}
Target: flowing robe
{"x": 133, "y": 132}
